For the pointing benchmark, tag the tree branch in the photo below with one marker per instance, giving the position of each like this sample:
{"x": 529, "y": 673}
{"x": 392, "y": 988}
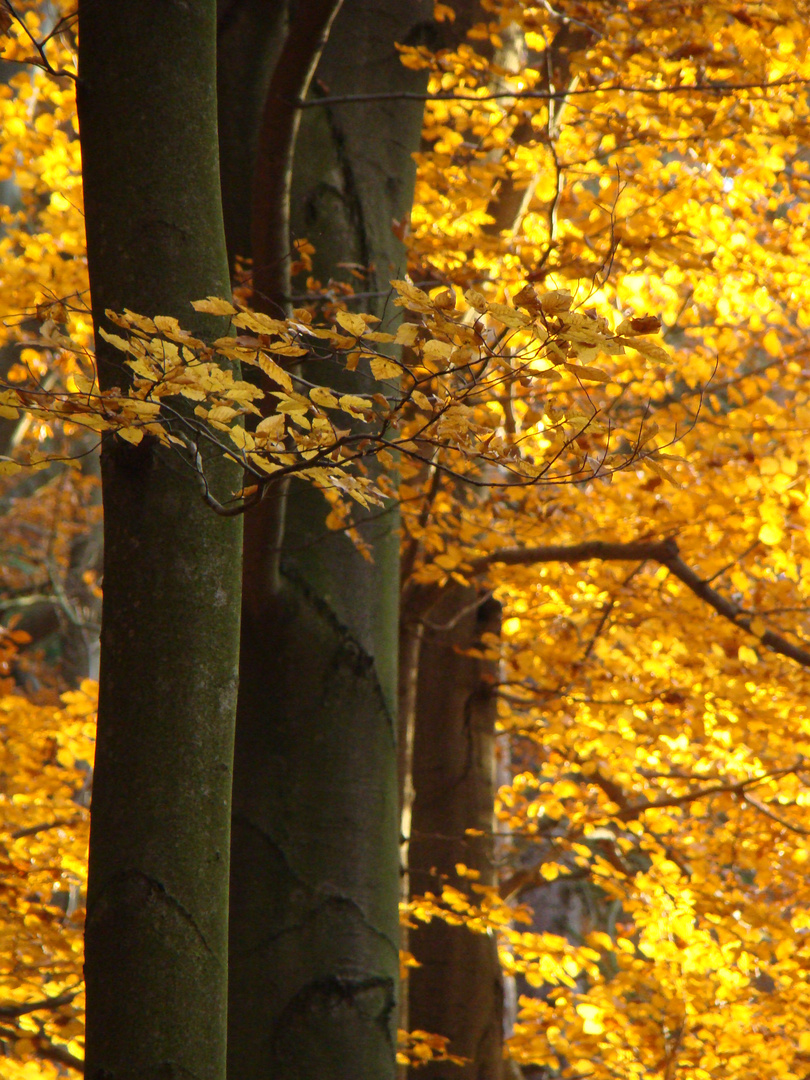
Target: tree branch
{"x": 60, "y": 1054}
{"x": 665, "y": 553}
{"x": 766, "y": 810}
{"x": 270, "y": 238}
{"x": 11, "y": 1011}
{"x": 553, "y": 95}
{"x": 633, "y": 811}
{"x": 32, "y": 830}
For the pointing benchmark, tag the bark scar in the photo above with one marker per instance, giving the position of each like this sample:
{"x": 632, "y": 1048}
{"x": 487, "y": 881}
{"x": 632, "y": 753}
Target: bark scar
{"x": 143, "y": 888}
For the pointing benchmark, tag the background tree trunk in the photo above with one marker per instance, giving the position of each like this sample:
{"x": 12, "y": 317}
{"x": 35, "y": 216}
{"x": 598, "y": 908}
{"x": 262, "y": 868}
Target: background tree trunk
{"x": 250, "y": 34}
{"x": 314, "y": 936}
{"x": 457, "y": 990}
{"x": 156, "y": 962}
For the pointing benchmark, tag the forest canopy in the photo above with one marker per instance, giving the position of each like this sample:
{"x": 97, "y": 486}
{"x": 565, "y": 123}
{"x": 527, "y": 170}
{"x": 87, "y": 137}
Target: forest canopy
{"x": 594, "y": 413}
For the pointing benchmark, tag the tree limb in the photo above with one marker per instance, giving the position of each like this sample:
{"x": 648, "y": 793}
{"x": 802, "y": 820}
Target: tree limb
{"x": 665, "y": 553}
{"x": 273, "y": 172}
{"x": 10, "y": 1011}
{"x": 32, "y": 830}
{"x": 553, "y": 95}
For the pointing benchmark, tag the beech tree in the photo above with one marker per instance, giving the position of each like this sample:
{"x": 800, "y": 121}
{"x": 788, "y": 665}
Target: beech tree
{"x": 314, "y": 884}
{"x": 156, "y": 936}
{"x": 649, "y": 676}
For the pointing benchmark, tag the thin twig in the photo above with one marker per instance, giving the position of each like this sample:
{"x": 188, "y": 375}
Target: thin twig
{"x": 43, "y": 63}
{"x": 551, "y": 95}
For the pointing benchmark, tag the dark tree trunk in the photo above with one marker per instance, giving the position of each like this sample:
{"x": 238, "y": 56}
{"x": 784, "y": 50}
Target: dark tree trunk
{"x": 250, "y": 34}
{"x": 457, "y": 991}
{"x": 314, "y": 935}
{"x": 156, "y": 962}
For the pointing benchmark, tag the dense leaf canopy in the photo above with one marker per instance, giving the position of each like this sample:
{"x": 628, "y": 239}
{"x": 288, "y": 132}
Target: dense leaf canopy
{"x": 638, "y": 503}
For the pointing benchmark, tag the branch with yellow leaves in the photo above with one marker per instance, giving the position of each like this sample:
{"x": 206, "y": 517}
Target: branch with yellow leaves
{"x": 665, "y": 553}
{"x": 429, "y": 408}
{"x": 628, "y": 810}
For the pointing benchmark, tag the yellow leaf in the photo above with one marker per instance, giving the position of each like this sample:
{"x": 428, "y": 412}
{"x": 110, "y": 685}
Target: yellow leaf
{"x": 259, "y": 323}
{"x": 222, "y": 414}
{"x": 437, "y": 350}
{"x": 8, "y": 468}
{"x": 411, "y": 297}
{"x": 167, "y": 325}
{"x": 272, "y": 426}
{"x": 285, "y": 349}
{"x": 476, "y": 300}
{"x": 241, "y": 437}
{"x": 509, "y": 316}
{"x": 747, "y": 655}
{"x": 654, "y": 465}
{"x": 378, "y": 335}
{"x": 355, "y": 406}
{"x": 276, "y": 373}
{"x": 406, "y": 334}
{"x": 292, "y": 404}
{"x": 555, "y": 301}
{"x": 323, "y": 397}
{"x": 772, "y": 344}
{"x": 651, "y": 350}
{"x": 592, "y": 1017}
{"x": 212, "y": 305}
{"x": 383, "y": 368}
{"x": 591, "y": 373}
{"x": 355, "y": 324}
{"x": 114, "y": 339}
{"x": 770, "y": 533}
{"x": 131, "y": 435}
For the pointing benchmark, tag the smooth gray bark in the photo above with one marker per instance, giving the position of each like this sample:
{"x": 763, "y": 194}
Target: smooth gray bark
{"x": 314, "y": 930}
{"x": 156, "y": 961}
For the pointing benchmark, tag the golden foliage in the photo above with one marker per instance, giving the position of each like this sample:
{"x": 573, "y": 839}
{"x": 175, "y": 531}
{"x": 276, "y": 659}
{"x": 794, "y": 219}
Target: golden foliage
{"x": 46, "y": 759}
{"x": 659, "y": 154}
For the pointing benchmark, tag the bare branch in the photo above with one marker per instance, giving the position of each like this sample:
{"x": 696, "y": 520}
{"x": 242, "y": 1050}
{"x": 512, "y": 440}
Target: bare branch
{"x": 710, "y": 87}
{"x": 766, "y": 810}
{"x": 42, "y": 61}
{"x": 24, "y": 1008}
{"x": 32, "y": 830}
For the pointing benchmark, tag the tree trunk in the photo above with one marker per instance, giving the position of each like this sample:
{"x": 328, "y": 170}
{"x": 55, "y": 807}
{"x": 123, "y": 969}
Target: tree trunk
{"x": 457, "y": 991}
{"x": 250, "y": 34}
{"x": 314, "y": 886}
{"x": 156, "y": 962}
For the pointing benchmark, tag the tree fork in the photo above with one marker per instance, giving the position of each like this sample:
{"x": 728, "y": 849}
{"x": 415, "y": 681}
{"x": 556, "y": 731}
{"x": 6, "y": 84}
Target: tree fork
{"x": 314, "y": 932}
